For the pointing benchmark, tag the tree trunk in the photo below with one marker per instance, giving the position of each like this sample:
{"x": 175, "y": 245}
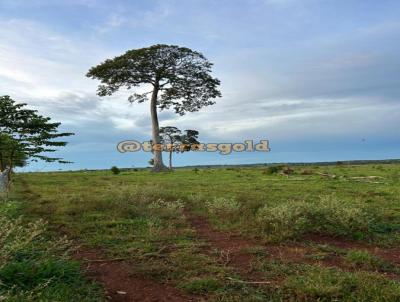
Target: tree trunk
{"x": 170, "y": 159}
{"x": 4, "y": 180}
{"x": 158, "y": 162}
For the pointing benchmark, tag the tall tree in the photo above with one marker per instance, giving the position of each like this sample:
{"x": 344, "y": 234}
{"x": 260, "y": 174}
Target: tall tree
{"x": 175, "y": 141}
{"x": 177, "y": 77}
{"x": 26, "y": 135}
{"x": 170, "y": 137}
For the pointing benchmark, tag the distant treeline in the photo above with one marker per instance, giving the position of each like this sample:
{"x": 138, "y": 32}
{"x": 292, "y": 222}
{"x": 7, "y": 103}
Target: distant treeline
{"x": 326, "y": 163}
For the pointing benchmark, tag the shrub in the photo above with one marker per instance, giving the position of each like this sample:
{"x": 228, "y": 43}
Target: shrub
{"x": 273, "y": 170}
{"x": 222, "y": 206}
{"x": 115, "y": 170}
{"x": 306, "y": 172}
{"x": 166, "y": 208}
{"x": 287, "y": 171}
{"x": 327, "y": 215}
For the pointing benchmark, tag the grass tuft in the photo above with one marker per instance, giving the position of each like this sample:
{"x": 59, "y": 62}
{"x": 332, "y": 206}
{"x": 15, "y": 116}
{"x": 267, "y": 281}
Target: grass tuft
{"x": 327, "y": 215}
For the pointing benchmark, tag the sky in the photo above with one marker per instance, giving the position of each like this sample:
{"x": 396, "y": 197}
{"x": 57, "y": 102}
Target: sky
{"x": 319, "y": 79}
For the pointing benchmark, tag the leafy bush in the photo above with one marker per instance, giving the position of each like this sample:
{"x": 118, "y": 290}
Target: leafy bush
{"x": 327, "y": 215}
{"x": 115, "y": 170}
{"x": 222, "y": 206}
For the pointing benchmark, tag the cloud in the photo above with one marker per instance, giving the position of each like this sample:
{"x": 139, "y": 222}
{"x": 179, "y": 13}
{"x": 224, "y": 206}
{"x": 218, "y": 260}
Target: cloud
{"x": 289, "y": 69}
{"x": 39, "y": 62}
{"x": 125, "y": 17}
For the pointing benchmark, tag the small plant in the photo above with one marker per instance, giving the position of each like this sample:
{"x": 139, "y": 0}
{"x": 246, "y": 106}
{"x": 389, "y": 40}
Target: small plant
{"x": 201, "y": 286}
{"x": 115, "y": 170}
{"x": 166, "y": 208}
{"x": 222, "y": 206}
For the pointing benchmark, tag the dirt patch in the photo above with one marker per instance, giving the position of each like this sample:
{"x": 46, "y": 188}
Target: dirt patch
{"x": 389, "y": 254}
{"x": 239, "y": 252}
{"x": 121, "y": 283}
{"x": 232, "y": 247}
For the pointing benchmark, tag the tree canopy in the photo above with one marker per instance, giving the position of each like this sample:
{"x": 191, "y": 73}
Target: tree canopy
{"x": 26, "y": 135}
{"x": 181, "y": 75}
{"x": 175, "y": 141}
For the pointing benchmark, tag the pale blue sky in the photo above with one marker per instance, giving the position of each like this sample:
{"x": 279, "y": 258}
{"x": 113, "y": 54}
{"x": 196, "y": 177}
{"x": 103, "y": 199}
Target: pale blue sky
{"x": 318, "y": 78}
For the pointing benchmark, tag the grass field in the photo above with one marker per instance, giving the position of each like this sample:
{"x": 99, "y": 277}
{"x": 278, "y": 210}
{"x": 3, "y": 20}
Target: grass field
{"x": 329, "y": 233}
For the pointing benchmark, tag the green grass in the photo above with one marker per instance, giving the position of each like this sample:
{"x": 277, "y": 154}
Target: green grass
{"x": 328, "y": 215}
{"x": 138, "y": 215}
{"x": 322, "y": 284}
{"x": 365, "y": 260}
{"x": 34, "y": 266}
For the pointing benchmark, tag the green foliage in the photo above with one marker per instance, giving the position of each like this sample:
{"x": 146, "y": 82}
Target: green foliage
{"x": 29, "y": 274}
{"x": 328, "y": 215}
{"x": 11, "y": 152}
{"x": 181, "y": 75}
{"x": 26, "y": 135}
{"x": 115, "y": 170}
{"x": 175, "y": 141}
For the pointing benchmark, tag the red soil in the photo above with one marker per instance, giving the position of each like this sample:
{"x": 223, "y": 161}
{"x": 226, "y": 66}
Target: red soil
{"x": 122, "y": 285}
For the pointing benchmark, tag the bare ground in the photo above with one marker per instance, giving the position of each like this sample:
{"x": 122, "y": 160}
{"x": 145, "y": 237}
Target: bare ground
{"x": 121, "y": 283}
{"x": 235, "y": 250}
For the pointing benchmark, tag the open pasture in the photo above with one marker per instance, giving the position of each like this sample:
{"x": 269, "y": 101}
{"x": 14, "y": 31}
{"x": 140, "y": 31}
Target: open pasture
{"x": 323, "y": 233}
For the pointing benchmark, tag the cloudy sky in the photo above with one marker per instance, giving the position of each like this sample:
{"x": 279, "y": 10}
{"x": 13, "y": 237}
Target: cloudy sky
{"x": 319, "y": 78}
